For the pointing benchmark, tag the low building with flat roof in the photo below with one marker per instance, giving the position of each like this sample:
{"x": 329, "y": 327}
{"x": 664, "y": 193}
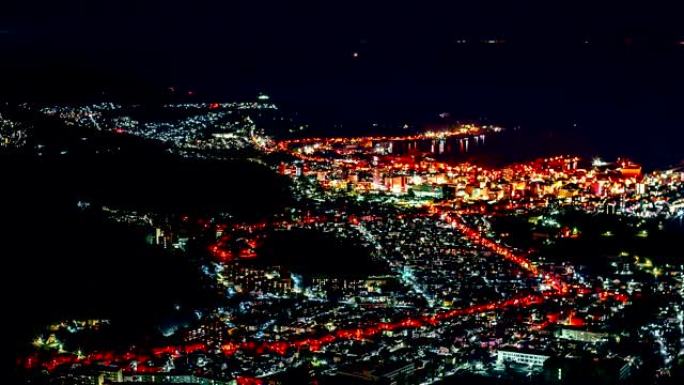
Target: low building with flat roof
{"x": 521, "y": 356}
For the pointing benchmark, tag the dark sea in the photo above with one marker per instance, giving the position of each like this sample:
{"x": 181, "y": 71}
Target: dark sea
{"x": 600, "y": 93}
{"x": 607, "y": 101}
{"x": 593, "y": 78}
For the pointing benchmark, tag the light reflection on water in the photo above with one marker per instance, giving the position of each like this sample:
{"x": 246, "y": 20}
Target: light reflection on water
{"x": 520, "y": 145}
{"x": 480, "y": 148}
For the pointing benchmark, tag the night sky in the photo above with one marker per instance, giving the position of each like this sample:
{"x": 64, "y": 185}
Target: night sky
{"x": 605, "y": 72}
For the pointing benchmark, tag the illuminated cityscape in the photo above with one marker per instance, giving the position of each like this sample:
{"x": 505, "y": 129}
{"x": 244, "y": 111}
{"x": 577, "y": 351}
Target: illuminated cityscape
{"x": 381, "y": 193}
{"x": 436, "y": 286}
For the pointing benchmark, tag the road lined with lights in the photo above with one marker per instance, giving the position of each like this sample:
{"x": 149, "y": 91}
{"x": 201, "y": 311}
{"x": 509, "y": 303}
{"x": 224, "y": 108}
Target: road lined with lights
{"x": 137, "y": 361}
